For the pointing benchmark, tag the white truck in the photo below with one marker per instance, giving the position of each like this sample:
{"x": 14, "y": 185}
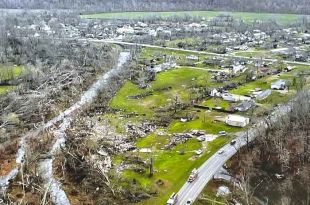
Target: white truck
{"x": 193, "y": 175}
{"x": 173, "y": 199}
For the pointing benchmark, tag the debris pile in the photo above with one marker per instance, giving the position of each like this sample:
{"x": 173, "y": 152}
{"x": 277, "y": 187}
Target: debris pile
{"x": 140, "y": 130}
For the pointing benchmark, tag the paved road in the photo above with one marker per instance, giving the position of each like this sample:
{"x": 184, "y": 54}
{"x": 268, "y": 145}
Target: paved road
{"x": 192, "y": 51}
{"x": 214, "y": 163}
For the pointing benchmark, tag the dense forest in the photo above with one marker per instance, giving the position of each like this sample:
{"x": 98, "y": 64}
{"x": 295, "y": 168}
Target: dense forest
{"x": 277, "y": 6}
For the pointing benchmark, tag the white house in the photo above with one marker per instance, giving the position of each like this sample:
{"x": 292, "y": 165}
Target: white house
{"x": 125, "y": 30}
{"x": 278, "y": 85}
{"x": 141, "y": 24}
{"x": 152, "y": 32}
{"x": 237, "y": 120}
{"x": 238, "y": 68}
{"x": 234, "y": 98}
{"x": 192, "y": 57}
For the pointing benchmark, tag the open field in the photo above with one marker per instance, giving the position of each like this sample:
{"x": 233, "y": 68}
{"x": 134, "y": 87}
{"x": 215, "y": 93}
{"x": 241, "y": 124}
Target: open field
{"x": 246, "y": 16}
{"x": 178, "y": 79}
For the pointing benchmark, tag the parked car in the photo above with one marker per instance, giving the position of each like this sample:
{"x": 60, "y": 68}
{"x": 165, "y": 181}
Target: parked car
{"x": 222, "y": 133}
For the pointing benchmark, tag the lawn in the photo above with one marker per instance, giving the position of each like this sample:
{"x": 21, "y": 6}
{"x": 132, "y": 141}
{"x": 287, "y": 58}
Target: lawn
{"x": 276, "y": 98}
{"x": 263, "y": 83}
{"x": 4, "y": 89}
{"x": 216, "y": 102}
{"x": 246, "y": 16}
{"x": 171, "y": 168}
{"x": 180, "y": 80}
{"x": 8, "y": 72}
{"x": 204, "y": 122}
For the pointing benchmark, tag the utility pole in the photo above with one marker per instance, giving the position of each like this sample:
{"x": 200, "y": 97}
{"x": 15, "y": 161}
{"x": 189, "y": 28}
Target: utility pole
{"x": 151, "y": 167}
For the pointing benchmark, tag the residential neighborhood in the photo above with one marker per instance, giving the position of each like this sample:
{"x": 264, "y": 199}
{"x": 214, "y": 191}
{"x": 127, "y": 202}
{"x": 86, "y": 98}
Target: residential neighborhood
{"x": 154, "y": 102}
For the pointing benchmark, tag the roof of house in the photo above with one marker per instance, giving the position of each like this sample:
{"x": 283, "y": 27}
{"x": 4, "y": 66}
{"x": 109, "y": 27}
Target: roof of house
{"x": 237, "y": 118}
{"x": 245, "y": 105}
{"x": 279, "y": 82}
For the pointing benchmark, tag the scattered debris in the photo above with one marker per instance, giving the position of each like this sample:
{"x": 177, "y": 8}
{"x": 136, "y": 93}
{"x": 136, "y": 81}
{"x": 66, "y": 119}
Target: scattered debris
{"x": 223, "y": 191}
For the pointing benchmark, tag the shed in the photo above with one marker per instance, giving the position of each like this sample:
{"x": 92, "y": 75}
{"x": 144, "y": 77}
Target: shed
{"x": 263, "y": 94}
{"x": 279, "y": 85}
{"x": 192, "y": 57}
{"x": 244, "y": 106}
{"x": 234, "y": 98}
{"x": 237, "y": 120}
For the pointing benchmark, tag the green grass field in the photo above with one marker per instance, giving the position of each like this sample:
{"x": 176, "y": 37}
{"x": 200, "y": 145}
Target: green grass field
{"x": 246, "y": 16}
{"x": 172, "y": 167}
{"x": 217, "y": 102}
{"x": 8, "y": 72}
{"x": 179, "y": 79}
{"x": 4, "y": 89}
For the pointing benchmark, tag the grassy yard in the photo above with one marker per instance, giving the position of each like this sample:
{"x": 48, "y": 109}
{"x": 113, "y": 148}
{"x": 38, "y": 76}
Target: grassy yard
{"x": 246, "y": 16}
{"x": 216, "y": 102}
{"x": 276, "y": 98}
{"x": 263, "y": 83}
{"x": 173, "y": 168}
{"x": 204, "y": 122}
{"x": 180, "y": 80}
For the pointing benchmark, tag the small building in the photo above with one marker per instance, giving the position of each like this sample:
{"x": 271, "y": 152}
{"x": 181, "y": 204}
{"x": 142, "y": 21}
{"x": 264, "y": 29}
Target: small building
{"x": 192, "y": 57}
{"x": 125, "y": 30}
{"x": 263, "y": 94}
{"x": 234, "y": 98}
{"x": 238, "y": 68}
{"x": 288, "y": 68}
{"x": 244, "y": 106}
{"x": 279, "y": 85}
{"x": 237, "y": 120}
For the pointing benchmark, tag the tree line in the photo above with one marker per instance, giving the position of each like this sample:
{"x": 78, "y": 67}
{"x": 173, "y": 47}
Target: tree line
{"x": 277, "y": 6}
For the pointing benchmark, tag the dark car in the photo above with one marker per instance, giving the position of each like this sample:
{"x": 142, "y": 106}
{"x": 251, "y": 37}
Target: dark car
{"x": 233, "y": 142}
